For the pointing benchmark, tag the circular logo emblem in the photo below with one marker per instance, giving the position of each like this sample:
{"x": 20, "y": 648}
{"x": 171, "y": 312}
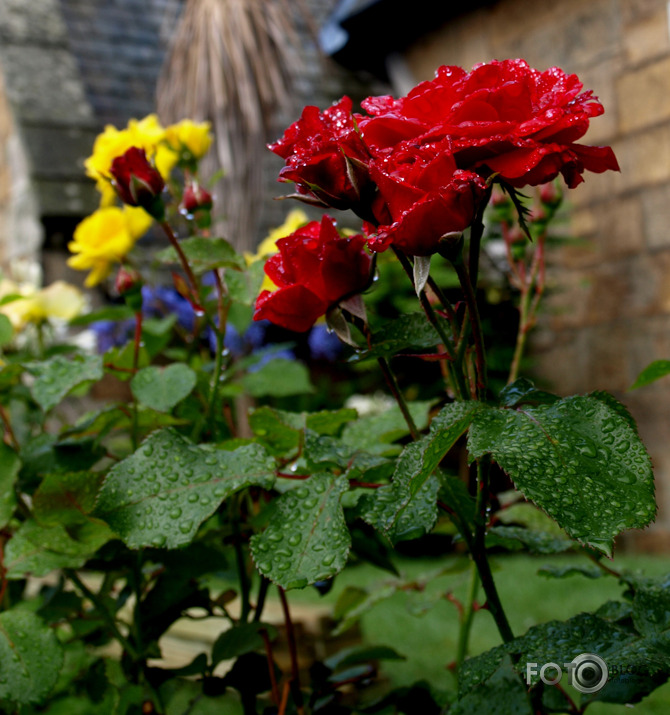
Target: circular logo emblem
{"x": 589, "y": 673}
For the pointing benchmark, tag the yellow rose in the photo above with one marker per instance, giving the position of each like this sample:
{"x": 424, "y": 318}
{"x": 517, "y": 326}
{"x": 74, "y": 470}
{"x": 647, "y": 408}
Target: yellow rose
{"x": 105, "y": 238}
{"x": 59, "y": 300}
{"x": 189, "y": 139}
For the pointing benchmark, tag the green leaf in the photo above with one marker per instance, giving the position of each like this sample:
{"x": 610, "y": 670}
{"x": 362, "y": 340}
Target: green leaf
{"x": 9, "y": 469}
{"x": 241, "y": 639}
{"x": 537, "y": 542}
{"x": 161, "y": 388}
{"x": 408, "y": 331}
{"x": 278, "y": 430}
{"x": 244, "y": 286}
{"x": 186, "y": 697}
{"x": 408, "y": 506}
{"x": 6, "y": 330}
{"x": 654, "y": 371}
{"x": 278, "y": 378}
{"x": 523, "y": 390}
{"x": 161, "y": 494}
{"x": 375, "y": 433}
{"x": 503, "y": 693}
{"x": 651, "y": 610}
{"x": 66, "y": 498}
{"x": 120, "y": 361}
{"x": 36, "y": 550}
{"x": 579, "y": 459}
{"x": 362, "y": 654}
{"x": 110, "y": 312}
{"x": 204, "y": 254}
{"x": 31, "y": 657}
{"x": 587, "y": 571}
{"x": 56, "y": 377}
{"x": 307, "y": 539}
{"x": 329, "y": 422}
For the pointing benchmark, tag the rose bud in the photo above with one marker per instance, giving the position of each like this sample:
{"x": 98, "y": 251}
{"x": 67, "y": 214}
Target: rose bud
{"x": 128, "y": 285}
{"x": 137, "y": 182}
{"x": 196, "y": 198}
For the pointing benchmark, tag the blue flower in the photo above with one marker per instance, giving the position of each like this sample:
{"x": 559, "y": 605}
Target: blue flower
{"x": 323, "y": 344}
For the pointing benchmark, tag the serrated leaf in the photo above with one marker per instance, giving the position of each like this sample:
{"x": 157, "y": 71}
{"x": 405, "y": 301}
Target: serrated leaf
{"x": 408, "y": 331}
{"x": 9, "y": 469}
{"x": 578, "y": 459}
{"x": 161, "y": 388}
{"x": 205, "y": 254}
{"x": 307, "y": 539}
{"x": 161, "y": 494}
{"x": 240, "y": 639}
{"x": 654, "y": 371}
{"x": 56, "y": 377}
{"x": 31, "y": 657}
{"x": 278, "y": 378}
{"x": 392, "y": 511}
{"x": 66, "y": 498}
{"x": 36, "y": 550}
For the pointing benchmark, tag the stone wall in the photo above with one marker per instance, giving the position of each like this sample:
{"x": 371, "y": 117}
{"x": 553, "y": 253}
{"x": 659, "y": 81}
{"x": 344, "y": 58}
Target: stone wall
{"x": 608, "y": 314}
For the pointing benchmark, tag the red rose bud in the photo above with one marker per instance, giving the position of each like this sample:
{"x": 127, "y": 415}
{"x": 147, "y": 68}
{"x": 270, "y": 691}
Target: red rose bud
{"x": 314, "y": 270}
{"x": 550, "y": 194}
{"x": 137, "y": 182}
{"x": 195, "y": 198}
{"x": 128, "y": 285}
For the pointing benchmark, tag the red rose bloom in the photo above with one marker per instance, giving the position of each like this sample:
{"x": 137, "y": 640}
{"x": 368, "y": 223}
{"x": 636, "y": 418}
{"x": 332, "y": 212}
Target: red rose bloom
{"x": 314, "y": 269}
{"x": 136, "y": 181}
{"x": 422, "y": 196}
{"x": 503, "y": 117}
{"x": 326, "y": 158}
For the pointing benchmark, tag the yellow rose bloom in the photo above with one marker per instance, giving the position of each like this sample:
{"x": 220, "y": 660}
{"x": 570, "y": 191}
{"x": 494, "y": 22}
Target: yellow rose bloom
{"x": 147, "y": 134}
{"x": 105, "y": 238}
{"x": 59, "y": 300}
{"x": 190, "y": 138}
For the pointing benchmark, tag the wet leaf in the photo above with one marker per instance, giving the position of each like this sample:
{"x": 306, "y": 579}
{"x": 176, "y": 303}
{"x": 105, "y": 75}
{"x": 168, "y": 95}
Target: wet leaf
{"x": 161, "y": 388}
{"x": 56, "y": 377}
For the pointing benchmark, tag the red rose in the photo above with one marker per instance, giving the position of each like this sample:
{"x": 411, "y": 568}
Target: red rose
{"x": 137, "y": 182}
{"x": 195, "y": 198}
{"x": 422, "y": 196}
{"x": 314, "y": 269}
{"x": 326, "y": 158}
{"x": 503, "y": 117}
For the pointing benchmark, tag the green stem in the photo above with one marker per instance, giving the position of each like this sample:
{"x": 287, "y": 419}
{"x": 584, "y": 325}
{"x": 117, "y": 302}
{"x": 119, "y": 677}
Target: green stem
{"x": 102, "y": 609}
{"x": 136, "y": 360}
{"x": 245, "y": 585}
{"x": 399, "y": 397}
{"x": 468, "y": 614}
{"x": 182, "y": 259}
{"x": 479, "y": 556}
{"x": 456, "y": 379}
{"x": 477, "y": 334}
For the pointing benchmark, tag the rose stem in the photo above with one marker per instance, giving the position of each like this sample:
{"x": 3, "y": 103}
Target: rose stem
{"x": 290, "y": 637}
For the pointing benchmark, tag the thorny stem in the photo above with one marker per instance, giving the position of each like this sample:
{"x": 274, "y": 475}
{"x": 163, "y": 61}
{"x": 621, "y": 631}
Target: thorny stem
{"x": 290, "y": 637}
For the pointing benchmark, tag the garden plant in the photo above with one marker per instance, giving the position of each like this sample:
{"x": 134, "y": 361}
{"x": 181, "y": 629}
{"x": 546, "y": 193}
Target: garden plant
{"x": 200, "y": 491}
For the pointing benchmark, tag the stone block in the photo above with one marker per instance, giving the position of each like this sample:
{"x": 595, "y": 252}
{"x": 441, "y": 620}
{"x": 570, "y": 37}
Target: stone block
{"x": 643, "y": 96}
{"x": 647, "y": 37}
{"x": 656, "y": 216}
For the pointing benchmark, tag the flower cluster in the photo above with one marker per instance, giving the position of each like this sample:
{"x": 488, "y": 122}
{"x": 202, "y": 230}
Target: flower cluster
{"x": 417, "y": 169}
{"x": 132, "y": 165}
